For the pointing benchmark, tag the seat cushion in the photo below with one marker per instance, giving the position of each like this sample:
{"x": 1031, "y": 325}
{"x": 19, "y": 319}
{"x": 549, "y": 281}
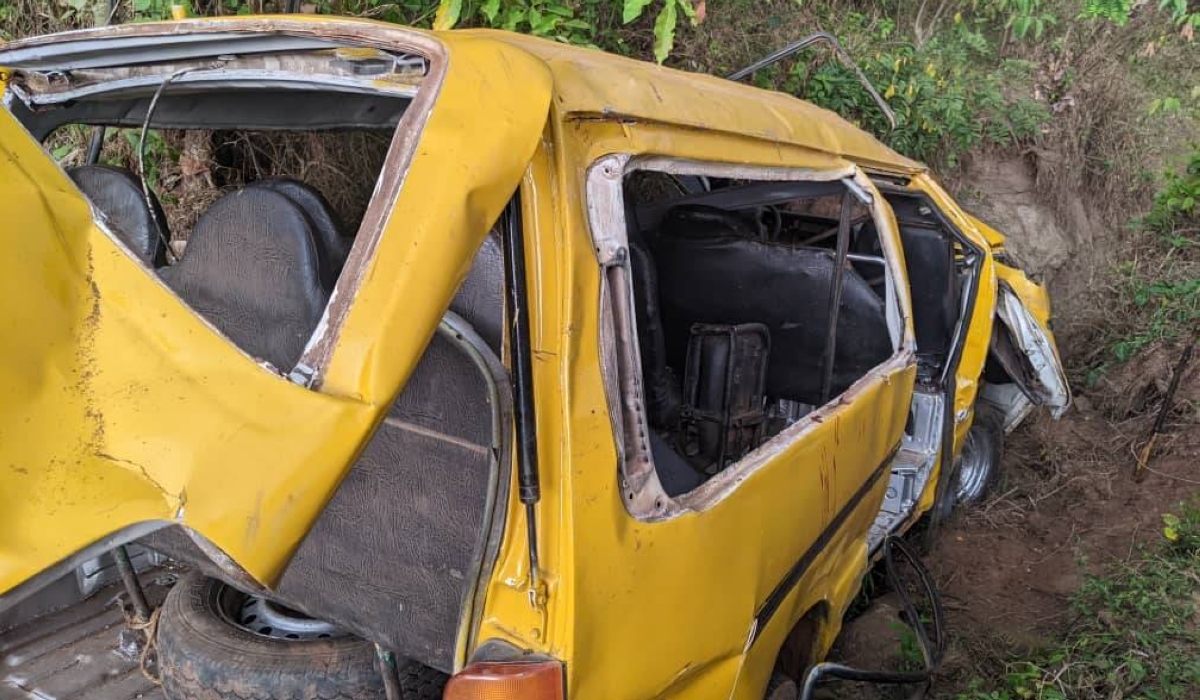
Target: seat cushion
{"x": 333, "y": 245}
{"x": 118, "y": 195}
{"x": 252, "y": 268}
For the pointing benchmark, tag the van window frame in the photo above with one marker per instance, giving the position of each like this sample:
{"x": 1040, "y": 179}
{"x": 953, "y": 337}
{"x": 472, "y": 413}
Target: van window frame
{"x": 641, "y": 491}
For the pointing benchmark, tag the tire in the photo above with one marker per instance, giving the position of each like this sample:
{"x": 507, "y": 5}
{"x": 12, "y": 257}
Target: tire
{"x": 203, "y": 654}
{"x": 978, "y": 464}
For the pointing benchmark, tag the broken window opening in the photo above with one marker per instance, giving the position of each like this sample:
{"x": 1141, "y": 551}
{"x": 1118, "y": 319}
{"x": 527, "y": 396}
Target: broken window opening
{"x": 268, "y": 161}
{"x": 943, "y": 268}
{"x": 741, "y": 310}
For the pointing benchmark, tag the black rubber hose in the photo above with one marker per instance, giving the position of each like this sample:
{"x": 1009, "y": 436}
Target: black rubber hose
{"x": 932, "y": 651}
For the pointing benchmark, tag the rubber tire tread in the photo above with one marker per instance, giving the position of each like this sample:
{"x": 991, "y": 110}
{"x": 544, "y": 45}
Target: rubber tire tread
{"x": 203, "y": 656}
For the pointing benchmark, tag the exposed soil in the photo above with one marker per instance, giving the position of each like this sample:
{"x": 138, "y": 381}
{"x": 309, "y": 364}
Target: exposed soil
{"x": 1008, "y": 570}
{"x": 1068, "y": 506}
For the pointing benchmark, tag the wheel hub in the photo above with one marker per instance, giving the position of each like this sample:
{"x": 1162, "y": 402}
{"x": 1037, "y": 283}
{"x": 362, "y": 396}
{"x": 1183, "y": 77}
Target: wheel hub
{"x": 974, "y": 467}
{"x": 270, "y": 619}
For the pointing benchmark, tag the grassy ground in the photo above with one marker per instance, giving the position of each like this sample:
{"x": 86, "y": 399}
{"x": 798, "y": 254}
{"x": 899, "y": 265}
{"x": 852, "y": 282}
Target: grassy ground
{"x": 1131, "y": 632}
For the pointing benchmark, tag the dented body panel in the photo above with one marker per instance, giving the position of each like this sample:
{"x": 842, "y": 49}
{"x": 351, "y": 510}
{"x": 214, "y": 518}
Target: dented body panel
{"x": 129, "y": 412}
{"x": 132, "y": 410}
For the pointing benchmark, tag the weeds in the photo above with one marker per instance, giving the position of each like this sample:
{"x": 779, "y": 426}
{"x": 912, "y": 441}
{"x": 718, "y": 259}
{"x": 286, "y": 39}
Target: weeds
{"x": 949, "y": 94}
{"x": 1176, "y": 212}
{"x": 1159, "y": 290}
{"x": 1136, "y": 634}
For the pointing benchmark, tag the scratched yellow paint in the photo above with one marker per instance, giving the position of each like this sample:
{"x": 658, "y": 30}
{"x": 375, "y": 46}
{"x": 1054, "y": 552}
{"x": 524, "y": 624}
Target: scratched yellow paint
{"x": 121, "y": 406}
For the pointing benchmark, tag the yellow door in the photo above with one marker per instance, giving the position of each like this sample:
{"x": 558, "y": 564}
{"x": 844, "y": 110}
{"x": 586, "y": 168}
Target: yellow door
{"x": 693, "y": 601}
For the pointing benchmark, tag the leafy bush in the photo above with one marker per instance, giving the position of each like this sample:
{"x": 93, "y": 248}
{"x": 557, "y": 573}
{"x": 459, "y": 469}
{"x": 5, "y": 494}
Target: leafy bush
{"x": 946, "y": 102}
{"x": 1158, "y": 290}
{"x": 561, "y": 20}
{"x": 1176, "y": 210}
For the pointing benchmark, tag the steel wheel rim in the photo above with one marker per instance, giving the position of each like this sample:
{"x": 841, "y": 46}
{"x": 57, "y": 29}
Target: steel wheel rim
{"x": 266, "y": 618}
{"x": 974, "y": 467}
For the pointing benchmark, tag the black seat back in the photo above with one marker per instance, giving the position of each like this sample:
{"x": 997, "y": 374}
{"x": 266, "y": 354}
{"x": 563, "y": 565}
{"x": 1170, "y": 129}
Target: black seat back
{"x": 118, "y": 195}
{"x": 709, "y": 272}
{"x": 252, "y": 268}
{"x": 333, "y": 245}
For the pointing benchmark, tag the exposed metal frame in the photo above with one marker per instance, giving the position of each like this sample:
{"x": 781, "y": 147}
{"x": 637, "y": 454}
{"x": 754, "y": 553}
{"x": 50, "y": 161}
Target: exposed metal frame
{"x": 212, "y": 78}
{"x": 945, "y": 382}
{"x": 46, "y": 576}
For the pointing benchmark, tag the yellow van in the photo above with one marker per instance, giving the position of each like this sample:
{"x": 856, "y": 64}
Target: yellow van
{"x": 614, "y": 391}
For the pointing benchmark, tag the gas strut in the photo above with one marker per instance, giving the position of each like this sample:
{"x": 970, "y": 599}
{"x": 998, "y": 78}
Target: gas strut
{"x": 528, "y": 482}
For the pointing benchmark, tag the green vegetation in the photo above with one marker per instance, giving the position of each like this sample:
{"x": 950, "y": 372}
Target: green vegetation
{"x": 1176, "y": 210}
{"x": 1160, "y": 291}
{"x": 949, "y": 93}
{"x": 1135, "y": 635}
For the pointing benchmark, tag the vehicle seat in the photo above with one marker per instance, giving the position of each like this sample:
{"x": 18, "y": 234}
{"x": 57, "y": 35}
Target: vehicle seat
{"x": 334, "y": 245}
{"x": 252, "y": 268}
{"x": 662, "y": 388}
{"x": 710, "y": 272}
{"x": 118, "y": 195}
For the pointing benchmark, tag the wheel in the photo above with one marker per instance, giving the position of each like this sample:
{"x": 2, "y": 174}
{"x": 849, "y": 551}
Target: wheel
{"x": 978, "y": 463}
{"x": 216, "y": 643}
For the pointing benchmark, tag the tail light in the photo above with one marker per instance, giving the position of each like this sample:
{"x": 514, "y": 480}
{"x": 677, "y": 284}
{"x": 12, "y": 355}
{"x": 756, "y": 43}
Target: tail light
{"x": 507, "y": 680}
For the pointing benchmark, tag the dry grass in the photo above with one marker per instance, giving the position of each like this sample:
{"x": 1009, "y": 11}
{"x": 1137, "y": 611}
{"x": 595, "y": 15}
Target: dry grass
{"x": 192, "y": 169}
{"x": 22, "y": 18}
{"x": 343, "y": 166}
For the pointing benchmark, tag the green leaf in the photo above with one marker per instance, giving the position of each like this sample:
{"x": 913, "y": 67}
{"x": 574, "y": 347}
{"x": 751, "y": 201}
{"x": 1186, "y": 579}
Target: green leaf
{"x": 664, "y": 31}
{"x": 447, "y": 14}
{"x": 633, "y": 9}
{"x": 490, "y": 10}
{"x": 688, "y": 9}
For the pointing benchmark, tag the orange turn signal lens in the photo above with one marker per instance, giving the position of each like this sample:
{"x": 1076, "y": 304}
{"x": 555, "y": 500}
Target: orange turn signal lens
{"x": 507, "y": 680}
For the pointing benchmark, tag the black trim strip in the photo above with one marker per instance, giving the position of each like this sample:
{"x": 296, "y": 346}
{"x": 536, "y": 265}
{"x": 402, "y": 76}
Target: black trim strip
{"x": 771, "y": 605}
